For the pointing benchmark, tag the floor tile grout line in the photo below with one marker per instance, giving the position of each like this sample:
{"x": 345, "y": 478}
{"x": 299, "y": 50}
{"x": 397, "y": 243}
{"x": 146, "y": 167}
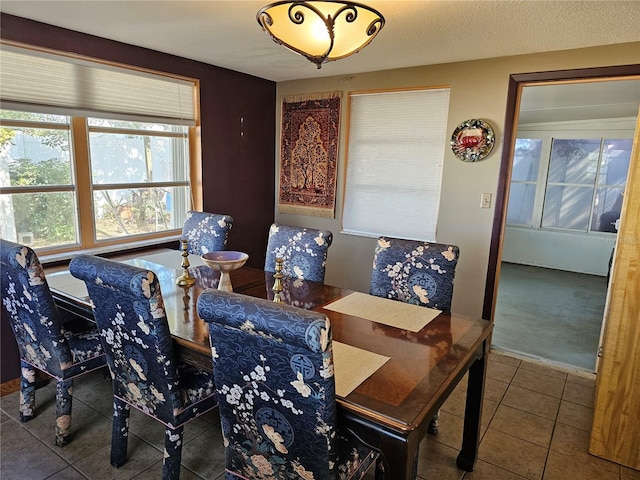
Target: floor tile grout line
{"x": 12, "y": 421}
{"x": 53, "y": 448}
{"x": 553, "y": 431}
{"x": 70, "y": 464}
{"x": 74, "y": 469}
{"x": 548, "y": 448}
{"x": 45, "y": 444}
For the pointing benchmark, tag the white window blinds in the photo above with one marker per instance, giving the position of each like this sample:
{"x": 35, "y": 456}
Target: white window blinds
{"x": 32, "y": 80}
{"x": 394, "y": 163}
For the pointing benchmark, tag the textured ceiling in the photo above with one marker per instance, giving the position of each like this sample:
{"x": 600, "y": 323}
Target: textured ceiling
{"x": 418, "y": 32}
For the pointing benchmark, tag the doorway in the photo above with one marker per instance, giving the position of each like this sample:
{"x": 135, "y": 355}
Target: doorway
{"x": 541, "y": 309}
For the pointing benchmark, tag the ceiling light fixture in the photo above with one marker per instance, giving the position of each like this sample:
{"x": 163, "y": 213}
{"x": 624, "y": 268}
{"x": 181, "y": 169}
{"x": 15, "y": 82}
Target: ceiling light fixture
{"x": 322, "y": 31}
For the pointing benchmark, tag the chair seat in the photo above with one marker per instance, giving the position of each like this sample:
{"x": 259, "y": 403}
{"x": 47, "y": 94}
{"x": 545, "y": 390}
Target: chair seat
{"x": 86, "y": 351}
{"x": 197, "y": 391}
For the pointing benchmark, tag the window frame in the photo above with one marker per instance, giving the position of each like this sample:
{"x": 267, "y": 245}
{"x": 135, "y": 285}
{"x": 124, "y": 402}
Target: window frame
{"x": 83, "y": 188}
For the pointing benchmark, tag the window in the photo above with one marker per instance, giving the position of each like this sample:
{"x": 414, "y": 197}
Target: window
{"x": 37, "y": 180}
{"x": 103, "y": 160}
{"x": 576, "y": 185}
{"x": 573, "y": 168}
{"x": 612, "y": 178}
{"x": 524, "y": 180}
{"x": 138, "y": 179}
{"x": 394, "y": 168}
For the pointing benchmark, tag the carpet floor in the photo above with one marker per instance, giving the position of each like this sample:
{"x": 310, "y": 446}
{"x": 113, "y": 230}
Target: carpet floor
{"x": 549, "y": 314}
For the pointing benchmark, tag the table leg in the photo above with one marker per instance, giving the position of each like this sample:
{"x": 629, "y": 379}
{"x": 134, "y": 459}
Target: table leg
{"x": 400, "y": 451}
{"x": 473, "y": 413}
{"x": 401, "y": 455}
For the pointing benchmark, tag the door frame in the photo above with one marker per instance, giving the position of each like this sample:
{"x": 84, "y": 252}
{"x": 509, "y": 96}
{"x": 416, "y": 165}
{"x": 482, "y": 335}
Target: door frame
{"x": 516, "y": 83}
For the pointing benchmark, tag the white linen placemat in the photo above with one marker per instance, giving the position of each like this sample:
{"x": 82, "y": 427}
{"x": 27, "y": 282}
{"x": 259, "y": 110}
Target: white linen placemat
{"x": 384, "y": 310}
{"x": 352, "y": 366}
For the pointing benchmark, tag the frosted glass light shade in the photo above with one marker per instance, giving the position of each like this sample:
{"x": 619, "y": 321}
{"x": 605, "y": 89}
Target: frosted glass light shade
{"x": 322, "y": 31}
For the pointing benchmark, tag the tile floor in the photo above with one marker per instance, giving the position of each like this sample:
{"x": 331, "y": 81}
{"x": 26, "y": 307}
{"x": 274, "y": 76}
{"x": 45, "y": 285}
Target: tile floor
{"x": 536, "y": 423}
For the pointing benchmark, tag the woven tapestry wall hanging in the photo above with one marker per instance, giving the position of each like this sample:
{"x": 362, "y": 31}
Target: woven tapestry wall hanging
{"x": 309, "y": 154}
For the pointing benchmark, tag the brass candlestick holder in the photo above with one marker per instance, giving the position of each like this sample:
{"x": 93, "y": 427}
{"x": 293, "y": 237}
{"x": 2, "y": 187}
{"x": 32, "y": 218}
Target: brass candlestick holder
{"x": 277, "y": 285}
{"x": 185, "y": 280}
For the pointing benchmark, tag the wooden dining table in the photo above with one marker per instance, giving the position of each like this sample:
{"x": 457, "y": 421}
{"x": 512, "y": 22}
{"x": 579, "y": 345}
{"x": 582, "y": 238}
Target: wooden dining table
{"x": 392, "y": 407}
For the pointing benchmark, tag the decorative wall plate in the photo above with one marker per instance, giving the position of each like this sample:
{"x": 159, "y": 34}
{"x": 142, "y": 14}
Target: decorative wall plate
{"x": 472, "y": 140}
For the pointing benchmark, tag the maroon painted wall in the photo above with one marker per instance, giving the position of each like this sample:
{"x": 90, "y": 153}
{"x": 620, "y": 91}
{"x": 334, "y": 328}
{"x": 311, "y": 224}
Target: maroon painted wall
{"x": 10, "y": 362}
{"x": 238, "y": 159}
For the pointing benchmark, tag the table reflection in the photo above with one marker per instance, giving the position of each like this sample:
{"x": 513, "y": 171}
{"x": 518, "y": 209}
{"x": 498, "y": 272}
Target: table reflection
{"x": 393, "y": 406}
{"x": 296, "y": 292}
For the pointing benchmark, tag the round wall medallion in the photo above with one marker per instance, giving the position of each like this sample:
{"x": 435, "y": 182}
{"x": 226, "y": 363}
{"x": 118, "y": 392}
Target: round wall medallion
{"x": 472, "y": 140}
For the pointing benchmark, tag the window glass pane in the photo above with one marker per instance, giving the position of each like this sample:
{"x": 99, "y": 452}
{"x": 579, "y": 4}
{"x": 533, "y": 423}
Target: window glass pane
{"x": 35, "y": 156}
{"x": 40, "y": 219}
{"x": 521, "y": 199}
{"x": 136, "y": 211}
{"x": 615, "y": 162}
{"x": 33, "y": 117}
{"x": 526, "y": 159}
{"x": 574, "y": 161}
{"x": 32, "y": 157}
{"x": 567, "y": 207}
{"x": 607, "y": 206}
{"x": 125, "y": 124}
{"x": 177, "y": 203}
{"x": 123, "y": 158}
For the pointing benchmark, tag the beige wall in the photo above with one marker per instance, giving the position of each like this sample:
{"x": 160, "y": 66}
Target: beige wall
{"x": 478, "y": 90}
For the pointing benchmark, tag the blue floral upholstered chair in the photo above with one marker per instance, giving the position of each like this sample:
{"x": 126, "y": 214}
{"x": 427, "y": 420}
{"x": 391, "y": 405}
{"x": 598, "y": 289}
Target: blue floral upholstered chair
{"x": 62, "y": 350}
{"x": 304, "y": 251}
{"x": 206, "y": 232}
{"x": 273, "y": 369}
{"x": 415, "y": 272}
{"x": 129, "y": 310}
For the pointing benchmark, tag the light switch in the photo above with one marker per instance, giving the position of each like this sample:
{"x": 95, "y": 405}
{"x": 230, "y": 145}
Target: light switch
{"x": 485, "y": 200}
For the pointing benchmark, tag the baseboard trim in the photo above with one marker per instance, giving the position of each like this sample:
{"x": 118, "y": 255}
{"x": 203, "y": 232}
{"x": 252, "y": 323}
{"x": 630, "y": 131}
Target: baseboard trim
{"x": 542, "y": 361}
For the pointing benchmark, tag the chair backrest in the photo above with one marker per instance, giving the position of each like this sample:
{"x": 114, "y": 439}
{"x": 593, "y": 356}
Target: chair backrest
{"x": 206, "y": 232}
{"x": 129, "y": 311}
{"x": 414, "y": 272}
{"x": 273, "y": 371}
{"x": 304, "y": 251}
{"x": 33, "y": 314}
